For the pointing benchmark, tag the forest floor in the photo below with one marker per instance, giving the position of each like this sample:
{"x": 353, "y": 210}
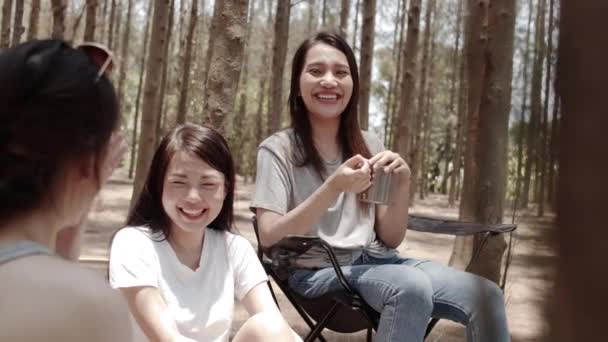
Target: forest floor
{"x": 528, "y": 284}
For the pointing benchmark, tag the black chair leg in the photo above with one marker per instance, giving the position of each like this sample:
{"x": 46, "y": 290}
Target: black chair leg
{"x": 316, "y": 332}
{"x": 369, "y": 334}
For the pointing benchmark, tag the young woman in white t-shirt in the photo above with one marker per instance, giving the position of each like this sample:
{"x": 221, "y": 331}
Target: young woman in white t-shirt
{"x": 177, "y": 263}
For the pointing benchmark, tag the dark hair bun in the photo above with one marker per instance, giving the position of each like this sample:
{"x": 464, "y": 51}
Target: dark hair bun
{"x": 53, "y": 110}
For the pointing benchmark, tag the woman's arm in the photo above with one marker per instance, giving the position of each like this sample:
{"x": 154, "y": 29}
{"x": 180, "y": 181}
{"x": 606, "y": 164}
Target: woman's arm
{"x": 352, "y": 176}
{"x": 151, "y": 313}
{"x": 263, "y": 311}
{"x": 391, "y": 220}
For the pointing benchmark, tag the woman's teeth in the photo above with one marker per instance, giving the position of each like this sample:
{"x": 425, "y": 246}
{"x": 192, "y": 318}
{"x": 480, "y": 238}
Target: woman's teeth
{"x": 327, "y": 97}
{"x": 192, "y": 213}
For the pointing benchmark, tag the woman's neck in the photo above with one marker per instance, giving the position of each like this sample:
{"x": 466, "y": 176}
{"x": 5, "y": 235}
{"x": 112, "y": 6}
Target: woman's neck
{"x": 187, "y": 246}
{"x": 38, "y": 226}
{"x": 325, "y": 138}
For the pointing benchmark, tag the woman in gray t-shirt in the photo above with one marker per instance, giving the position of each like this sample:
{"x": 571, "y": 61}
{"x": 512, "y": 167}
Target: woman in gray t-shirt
{"x": 307, "y": 180}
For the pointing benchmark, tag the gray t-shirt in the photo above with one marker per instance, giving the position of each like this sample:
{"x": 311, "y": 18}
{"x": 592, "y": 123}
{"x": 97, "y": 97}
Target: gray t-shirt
{"x": 281, "y": 186}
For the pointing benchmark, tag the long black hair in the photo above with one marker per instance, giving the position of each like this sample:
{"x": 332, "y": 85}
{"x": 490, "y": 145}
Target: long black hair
{"x": 201, "y": 141}
{"x": 54, "y": 110}
{"x": 349, "y": 134}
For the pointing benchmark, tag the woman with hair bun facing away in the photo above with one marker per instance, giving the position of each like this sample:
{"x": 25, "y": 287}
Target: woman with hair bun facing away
{"x": 58, "y": 145}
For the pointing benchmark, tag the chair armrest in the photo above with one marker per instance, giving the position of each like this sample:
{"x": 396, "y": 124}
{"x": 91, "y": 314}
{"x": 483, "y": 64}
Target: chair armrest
{"x": 453, "y": 227}
{"x": 295, "y": 245}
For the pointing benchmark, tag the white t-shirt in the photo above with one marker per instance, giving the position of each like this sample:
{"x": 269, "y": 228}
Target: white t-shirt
{"x": 201, "y": 302}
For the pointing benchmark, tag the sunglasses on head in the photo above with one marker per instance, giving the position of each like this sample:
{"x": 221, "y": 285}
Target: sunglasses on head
{"x": 100, "y": 55}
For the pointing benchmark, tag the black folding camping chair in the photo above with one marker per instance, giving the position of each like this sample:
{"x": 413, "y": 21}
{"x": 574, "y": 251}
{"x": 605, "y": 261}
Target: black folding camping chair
{"x": 345, "y": 311}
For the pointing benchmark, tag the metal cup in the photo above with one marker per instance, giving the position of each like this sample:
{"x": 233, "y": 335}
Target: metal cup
{"x": 381, "y": 189}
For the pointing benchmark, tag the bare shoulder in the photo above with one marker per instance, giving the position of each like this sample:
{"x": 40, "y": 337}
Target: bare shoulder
{"x": 60, "y": 301}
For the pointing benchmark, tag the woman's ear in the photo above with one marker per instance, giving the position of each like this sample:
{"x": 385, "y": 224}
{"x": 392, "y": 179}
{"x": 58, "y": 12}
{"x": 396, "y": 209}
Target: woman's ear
{"x": 87, "y": 167}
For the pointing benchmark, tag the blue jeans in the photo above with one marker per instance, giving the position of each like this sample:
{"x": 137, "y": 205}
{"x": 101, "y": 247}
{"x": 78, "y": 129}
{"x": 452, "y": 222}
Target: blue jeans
{"x": 408, "y": 292}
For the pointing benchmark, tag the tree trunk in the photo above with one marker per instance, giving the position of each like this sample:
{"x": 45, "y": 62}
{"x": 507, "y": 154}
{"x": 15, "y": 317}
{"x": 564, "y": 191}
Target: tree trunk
{"x": 239, "y": 122}
{"x": 522, "y": 120}
{"x": 111, "y": 24}
{"x": 460, "y": 132}
{"x": 58, "y": 8}
{"x": 32, "y": 30}
{"x": 356, "y": 24}
{"x": 491, "y": 106}
{"x": 553, "y": 152}
{"x": 5, "y": 29}
{"x": 279, "y": 53}
{"x": 423, "y": 150}
{"x": 535, "y": 104}
{"x": 579, "y": 312}
{"x": 323, "y": 12}
{"x": 89, "y": 25}
{"x": 344, "y": 10}
{"x": 77, "y": 21}
{"x": 226, "y": 63}
{"x": 312, "y": 19}
{"x": 418, "y": 118}
{"x": 452, "y": 107}
{"x": 162, "y": 96}
{"x": 393, "y": 78}
{"x": 117, "y": 26}
{"x": 213, "y": 32}
{"x": 476, "y": 37}
{"x": 124, "y": 53}
{"x": 366, "y": 59}
{"x": 18, "y": 28}
{"x": 402, "y": 139}
{"x": 139, "y": 89}
{"x": 392, "y": 127}
{"x": 182, "y": 109}
{"x": 149, "y": 116}
{"x": 544, "y": 146}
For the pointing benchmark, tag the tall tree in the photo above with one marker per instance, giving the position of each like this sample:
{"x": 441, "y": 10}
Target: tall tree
{"x": 32, "y": 31}
{"x": 535, "y": 102}
{"x": 18, "y": 28}
{"x": 279, "y": 53}
{"x": 312, "y": 18}
{"x": 5, "y": 29}
{"x": 366, "y": 59}
{"x": 422, "y": 150}
{"x": 419, "y": 117}
{"x": 213, "y": 32}
{"x": 226, "y": 63}
{"x": 140, "y": 83}
{"x": 403, "y": 137}
{"x": 490, "y": 66}
{"x": 397, "y": 79}
{"x": 579, "y": 311}
{"x": 111, "y": 24}
{"x": 58, "y": 8}
{"x": 456, "y": 61}
{"x": 344, "y": 10}
{"x": 182, "y": 109}
{"x": 522, "y": 118}
{"x": 162, "y": 96}
{"x": 544, "y": 145}
{"x": 356, "y": 24}
{"x": 124, "y": 54}
{"x": 89, "y": 24}
{"x": 149, "y": 115}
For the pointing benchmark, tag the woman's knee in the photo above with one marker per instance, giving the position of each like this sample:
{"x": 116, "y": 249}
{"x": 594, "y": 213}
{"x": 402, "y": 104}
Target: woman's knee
{"x": 408, "y": 286}
{"x": 264, "y": 326}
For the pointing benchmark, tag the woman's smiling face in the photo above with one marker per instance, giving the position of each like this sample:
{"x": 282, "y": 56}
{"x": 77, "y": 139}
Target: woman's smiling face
{"x": 326, "y": 85}
{"x": 193, "y": 193}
